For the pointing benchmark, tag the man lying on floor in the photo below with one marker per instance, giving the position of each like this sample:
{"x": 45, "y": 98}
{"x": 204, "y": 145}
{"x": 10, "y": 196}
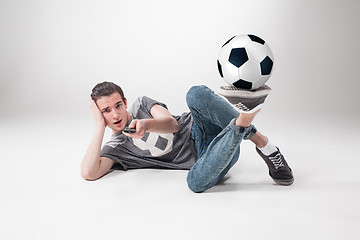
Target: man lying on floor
{"x": 206, "y": 141}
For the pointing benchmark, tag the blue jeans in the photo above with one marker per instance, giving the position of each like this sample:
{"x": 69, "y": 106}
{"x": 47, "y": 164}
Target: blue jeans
{"x": 217, "y": 138}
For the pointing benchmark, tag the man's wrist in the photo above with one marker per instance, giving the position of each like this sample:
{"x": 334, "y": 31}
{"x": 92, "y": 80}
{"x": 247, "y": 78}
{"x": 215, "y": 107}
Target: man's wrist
{"x": 145, "y": 124}
{"x": 100, "y": 127}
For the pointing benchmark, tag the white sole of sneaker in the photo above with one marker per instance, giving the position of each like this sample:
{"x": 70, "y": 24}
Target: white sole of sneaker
{"x": 239, "y": 108}
{"x": 230, "y": 91}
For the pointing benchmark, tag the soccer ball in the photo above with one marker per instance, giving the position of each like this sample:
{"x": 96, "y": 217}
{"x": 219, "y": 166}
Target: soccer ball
{"x": 245, "y": 61}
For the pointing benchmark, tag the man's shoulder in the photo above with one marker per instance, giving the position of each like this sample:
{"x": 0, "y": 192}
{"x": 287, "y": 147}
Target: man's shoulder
{"x": 137, "y": 103}
{"x": 144, "y": 102}
{"x": 140, "y": 105}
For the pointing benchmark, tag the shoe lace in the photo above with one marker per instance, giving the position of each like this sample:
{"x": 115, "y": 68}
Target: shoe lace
{"x": 277, "y": 161}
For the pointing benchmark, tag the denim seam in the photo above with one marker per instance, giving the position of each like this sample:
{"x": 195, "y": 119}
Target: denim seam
{"x": 206, "y": 186}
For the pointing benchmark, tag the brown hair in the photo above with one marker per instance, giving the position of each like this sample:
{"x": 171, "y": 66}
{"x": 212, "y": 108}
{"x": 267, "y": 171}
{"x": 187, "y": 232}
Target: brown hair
{"x": 106, "y": 89}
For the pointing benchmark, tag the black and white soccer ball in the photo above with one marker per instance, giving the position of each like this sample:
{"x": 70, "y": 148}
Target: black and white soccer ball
{"x": 245, "y": 61}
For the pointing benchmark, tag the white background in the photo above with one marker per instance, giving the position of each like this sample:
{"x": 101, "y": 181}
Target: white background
{"x": 53, "y": 52}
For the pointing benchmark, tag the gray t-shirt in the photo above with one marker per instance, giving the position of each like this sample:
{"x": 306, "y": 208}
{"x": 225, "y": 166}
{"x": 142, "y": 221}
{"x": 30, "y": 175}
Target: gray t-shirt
{"x": 171, "y": 150}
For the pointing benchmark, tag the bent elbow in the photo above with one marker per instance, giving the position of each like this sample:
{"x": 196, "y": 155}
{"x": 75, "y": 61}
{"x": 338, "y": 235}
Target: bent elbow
{"x": 87, "y": 175}
{"x": 176, "y": 126}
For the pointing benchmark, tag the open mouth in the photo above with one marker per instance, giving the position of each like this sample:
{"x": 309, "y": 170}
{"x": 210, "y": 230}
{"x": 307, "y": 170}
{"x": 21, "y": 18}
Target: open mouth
{"x": 117, "y": 122}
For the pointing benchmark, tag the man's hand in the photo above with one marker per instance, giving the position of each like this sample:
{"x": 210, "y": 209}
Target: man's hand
{"x": 140, "y": 127}
{"x": 98, "y": 116}
{"x": 162, "y": 122}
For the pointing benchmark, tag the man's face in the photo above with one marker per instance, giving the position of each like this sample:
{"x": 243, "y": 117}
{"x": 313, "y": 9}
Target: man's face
{"x": 114, "y": 111}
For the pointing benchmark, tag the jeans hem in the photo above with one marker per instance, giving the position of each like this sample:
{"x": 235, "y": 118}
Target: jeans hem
{"x": 247, "y": 131}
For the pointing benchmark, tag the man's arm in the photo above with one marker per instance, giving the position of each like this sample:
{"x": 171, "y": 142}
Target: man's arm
{"x": 162, "y": 122}
{"x": 93, "y": 166}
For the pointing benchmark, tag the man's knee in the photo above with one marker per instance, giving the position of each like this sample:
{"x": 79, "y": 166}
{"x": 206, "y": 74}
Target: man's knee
{"x": 194, "y": 183}
{"x": 196, "y": 94}
{"x": 196, "y": 188}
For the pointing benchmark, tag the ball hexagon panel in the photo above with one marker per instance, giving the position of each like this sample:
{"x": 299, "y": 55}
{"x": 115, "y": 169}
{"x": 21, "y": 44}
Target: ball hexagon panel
{"x": 224, "y": 54}
{"x": 269, "y": 52}
{"x": 256, "y": 51}
{"x": 260, "y": 82}
{"x": 230, "y": 72}
{"x": 239, "y": 41}
{"x": 250, "y": 71}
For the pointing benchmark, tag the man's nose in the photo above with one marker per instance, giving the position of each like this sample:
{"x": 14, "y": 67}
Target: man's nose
{"x": 116, "y": 114}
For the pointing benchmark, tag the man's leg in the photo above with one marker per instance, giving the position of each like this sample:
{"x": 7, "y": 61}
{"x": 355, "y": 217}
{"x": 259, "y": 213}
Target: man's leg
{"x": 279, "y": 169}
{"x": 207, "y": 106}
{"x": 249, "y": 101}
{"x": 211, "y": 116}
{"x": 217, "y": 137}
{"x": 221, "y": 154}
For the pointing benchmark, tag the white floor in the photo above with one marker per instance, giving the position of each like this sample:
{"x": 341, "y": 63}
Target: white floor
{"x": 44, "y": 197}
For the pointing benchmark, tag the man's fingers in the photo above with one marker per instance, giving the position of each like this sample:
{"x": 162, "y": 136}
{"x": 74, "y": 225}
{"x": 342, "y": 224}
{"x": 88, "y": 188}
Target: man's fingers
{"x": 99, "y": 118}
{"x": 136, "y": 124}
{"x": 92, "y": 103}
{"x": 133, "y": 123}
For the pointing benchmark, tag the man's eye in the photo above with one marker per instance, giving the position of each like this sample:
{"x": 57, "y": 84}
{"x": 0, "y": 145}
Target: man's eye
{"x": 118, "y": 105}
{"x": 106, "y": 111}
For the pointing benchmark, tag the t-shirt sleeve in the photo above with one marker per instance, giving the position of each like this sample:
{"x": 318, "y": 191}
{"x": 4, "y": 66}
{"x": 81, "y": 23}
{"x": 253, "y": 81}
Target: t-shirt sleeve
{"x": 148, "y": 103}
{"x": 111, "y": 153}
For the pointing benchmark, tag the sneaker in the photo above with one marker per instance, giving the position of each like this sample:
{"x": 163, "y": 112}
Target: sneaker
{"x": 279, "y": 170}
{"x": 244, "y": 100}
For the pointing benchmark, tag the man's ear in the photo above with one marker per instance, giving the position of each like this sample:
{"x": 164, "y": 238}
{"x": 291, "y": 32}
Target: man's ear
{"x": 125, "y": 101}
